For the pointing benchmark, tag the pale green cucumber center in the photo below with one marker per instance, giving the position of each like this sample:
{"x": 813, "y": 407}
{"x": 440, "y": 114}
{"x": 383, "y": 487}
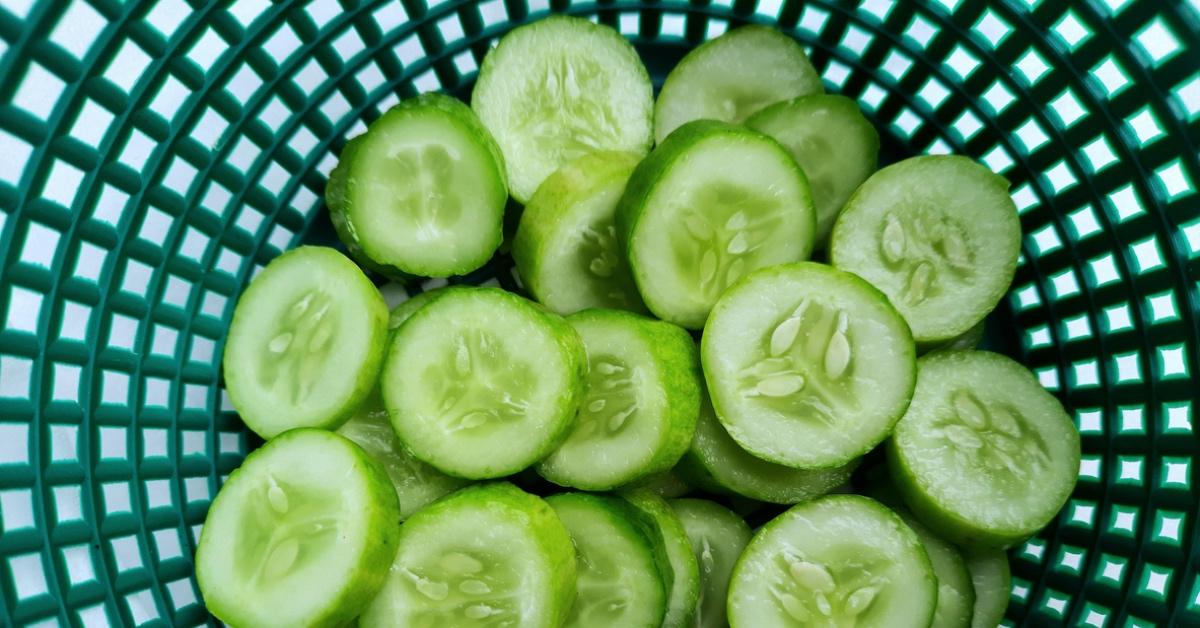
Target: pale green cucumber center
{"x": 478, "y": 385}
{"x": 928, "y": 251}
{"x": 463, "y": 587}
{"x": 285, "y": 529}
{"x": 838, "y": 593}
{"x": 611, "y": 402}
{"x": 569, "y": 114}
{"x": 415, "y": 188}
{"x": 299, "y": 347}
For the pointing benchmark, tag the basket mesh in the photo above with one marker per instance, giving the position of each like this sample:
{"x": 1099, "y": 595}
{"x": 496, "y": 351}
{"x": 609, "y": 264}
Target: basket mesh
{"x": 155, "y": 155}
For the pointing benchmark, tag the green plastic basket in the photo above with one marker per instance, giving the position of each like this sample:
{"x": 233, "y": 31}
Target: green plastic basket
{"x": 155, "y": 155}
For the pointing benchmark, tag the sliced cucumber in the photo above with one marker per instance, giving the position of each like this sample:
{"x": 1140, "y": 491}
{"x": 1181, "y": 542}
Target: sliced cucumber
{"x": 478, "y": 367}
{"x": 716, "y": 463}
{"x": 710, "y": 204}
{"x": 939, "y": 235}
{"x": 733, "y": 76}
{"x": 640, "y": 410}
{"x": 667, "y": 485}
{"x": 621, "y": 581}
{"x": 808, "y": 366}
{"x": 832, "y": 141}
{"x": 558, "y": 88}
{"x": 718, "y": 537}
{"x": 992, "y": 581}
{"x": 842, "y": 560}
{"x": 305, "y": 343}
{"x": 417, "y": 484}
{"x": 422, "y": 192}
{"x": 970, "y": 339}
{"x": 488, "y": 555}
{"x": 956, "y": 594}
{"x": 684, "y": 590}
{"x": 984, "y": 455}
{"x": 300, "y": 535}
{"x": 566, "y": 244}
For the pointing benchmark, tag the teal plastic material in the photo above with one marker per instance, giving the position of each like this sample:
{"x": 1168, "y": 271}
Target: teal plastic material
{"x": 155, "y": 155}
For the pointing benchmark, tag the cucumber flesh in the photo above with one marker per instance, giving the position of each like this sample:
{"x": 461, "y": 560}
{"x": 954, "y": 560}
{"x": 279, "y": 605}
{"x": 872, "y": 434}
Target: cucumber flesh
{"x": 488, "y": 555}
{"x": 422, "y": 192}
{"x": 992, "y": 582}
{"x": 832, "y": 142}
{"x": 667, "y": 485}
{"x": 639, "y": 413}
{"x": 841, "y": 560}
{"x": 684, "y": 590}
{"x": 715, "y": 462}
{"x": 300, "y": 535}
{"x": 620, "y": 582}
{"x": 417, "y": 484}
{"x": 566, "y": 247}
{"x": 559, "y": 88}
{"x": 984, "y": 456}
{"x": 732, "y": 77}
{"x": 479, "y": 366}
{"x": 708, "y": 206}
{"x": 807, "y": 366}
{"x": 305, "y": 344}
{"x": 939, "y": 235}
{"x": 407, "y": 308}
{"x": 956, "y": 594}
{"x": 718, "y": 537}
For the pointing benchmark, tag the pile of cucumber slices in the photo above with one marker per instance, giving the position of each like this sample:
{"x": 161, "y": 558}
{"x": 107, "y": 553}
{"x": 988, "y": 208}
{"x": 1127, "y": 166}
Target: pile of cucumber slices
{"x": 482, "y": 458}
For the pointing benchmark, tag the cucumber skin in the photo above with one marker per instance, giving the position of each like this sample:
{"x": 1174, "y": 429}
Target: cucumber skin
{"x": 944, "y": 523}
{"x": 983, "y": 565}
{"x": 633, "y": 202}
{"x": 337, "y": 188}
{"x": 675, "y": 544}
{"x": 373, "y": 360}
{"x": 559, "y": 193}
{"x": 637, "y": 522}
{"x": 382, "y": 533}
{"x": 565, "y": 337}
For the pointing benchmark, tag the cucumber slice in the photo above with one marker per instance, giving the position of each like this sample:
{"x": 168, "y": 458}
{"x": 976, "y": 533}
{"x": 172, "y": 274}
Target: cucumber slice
{"x": 808, "y": 366}
{"x": 300, "y": 535}
{"x": 422, "y": 192}
{"x": 305, "y": 343}
{"x": 832, "y": 141}
{"x": 566, "y": 244}
{"x": 733, "y": 76}
{"x": 417, "y": 484}
{"x": 640, "y": 410}
{"x": 557, "y": 89}
{"x": 970, "y": 339}
{"x": 716, "y": 463}
{"x": 684, "y": 590}
{"x": 718, "y": 537}
{"x": 476, "y": 367}
{"x": 984, "y": 455}
{"x": 842, "y": 560}
{"x": 405, "y": 310}
{"x": 667, "y": 485}
{"x": 956, "y": 594}
{"x": 710, "y": 204}
{"x": 939, "y": 235}
{"x": 620, "y": 574}
{"x": 488, "y": 555}
{"x": 992, "y": 581}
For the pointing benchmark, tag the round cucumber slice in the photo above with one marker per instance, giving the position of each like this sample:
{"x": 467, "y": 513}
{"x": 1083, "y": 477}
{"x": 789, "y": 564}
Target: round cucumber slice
{"x": 832, "y": 141}
{"x": 684, "y": 589}
{"x": 667, "y": 485}
{"x": 710, "y": 204}
{"x": 984, "y": 455}
{"x": 733, "y": 76}
{"x": 557, "y": 89}
{"x": 476, "y": 367}
{"x": 566, "y": 246}
{"x": 718, "y": 537}
{"x": 640, "y": 410}
{"x": 956, "y": 594}
{"x": 417, "y": 484}
{"x": 620, "y": 579}
{"x": 305, "y": 343}
{"x": 808, "y": 366}
{"x": 939, "y": 235}
{"x": 422, "y": 192}
{"x": 716, "y": 463}
{"x": 842, "y": 560}
{"x": 405, "y": 310}
{"x": 488, "y": 555}
{"x": 992, "y": 581}
{"x": 300, "y": 535}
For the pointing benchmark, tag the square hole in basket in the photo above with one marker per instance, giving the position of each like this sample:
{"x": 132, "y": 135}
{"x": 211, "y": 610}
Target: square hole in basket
{"x": 66, "y": 382}
{"x": 167, "y": 544}
{"x": 1172, "y": 362}
{"x": 41, "y": 245}
{"x": 310, "y": 76}
{"x": 1145, "y": 126}
{"x": 116, "y": 498}
{"x": 39, "y": 91}
{"x": 62, "y": 183}
{"x": 158, "y": 494}
{"x": 137, "y": 150}
{"x": 897, "y": 64}
{"x": 196, "y": 490}
{"x": 64, "y": 443}
{"x": 1032, "y": 66}
{"x": 1174, "y": 180}
{"x": 28, "y": 576}
{"x": 1118, "y": 318}
{"x": 392, "y": 14}
{"x": 14, "y": 384}
{"x": 75, "y": 320}
{"x": 246, "y": 11}
{"x": 1161, "y": 307}
{"x": 992, "y": 28}
{"x": 181, "y": 593}
{"x": 114, "y": 388}
{"x": 1031, "y": 135}
{"x": 24, "y": 310}
{"x": 68, "y": 504}
{"x": 122, "y": 332}
{"x": 112, "y": 443}
{"x": 933, "y": 92}
{"x": 157, "y": 393}
{"x": 962, "y": 62}
{"x": 1146, "y": 255}
{"x": 999, "y": 97}
{"x": 78, "y": 28}
{"x": 16, "y": 510}
{"x": 1083, "y": 223}
{"x": 856, "y": 40}
{"x": 349, "y": 44}
{"x": 1110, "y": 77}
{"x": 1068, "y": 108}
{"x": 141, "y": 607}
{"x": 209, "y": 128}
{"x": 91, "y": 124}
{"x": 126, "y": 552}
{"x": 1099, "y": 154}
{"x": 1158, "y": 41}
{"x": 17, "y": 151}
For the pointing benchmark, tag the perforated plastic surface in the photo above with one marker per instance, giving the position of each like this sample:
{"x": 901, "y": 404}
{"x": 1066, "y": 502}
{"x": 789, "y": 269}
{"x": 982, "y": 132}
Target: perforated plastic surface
{"x": 154, "y": 155}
